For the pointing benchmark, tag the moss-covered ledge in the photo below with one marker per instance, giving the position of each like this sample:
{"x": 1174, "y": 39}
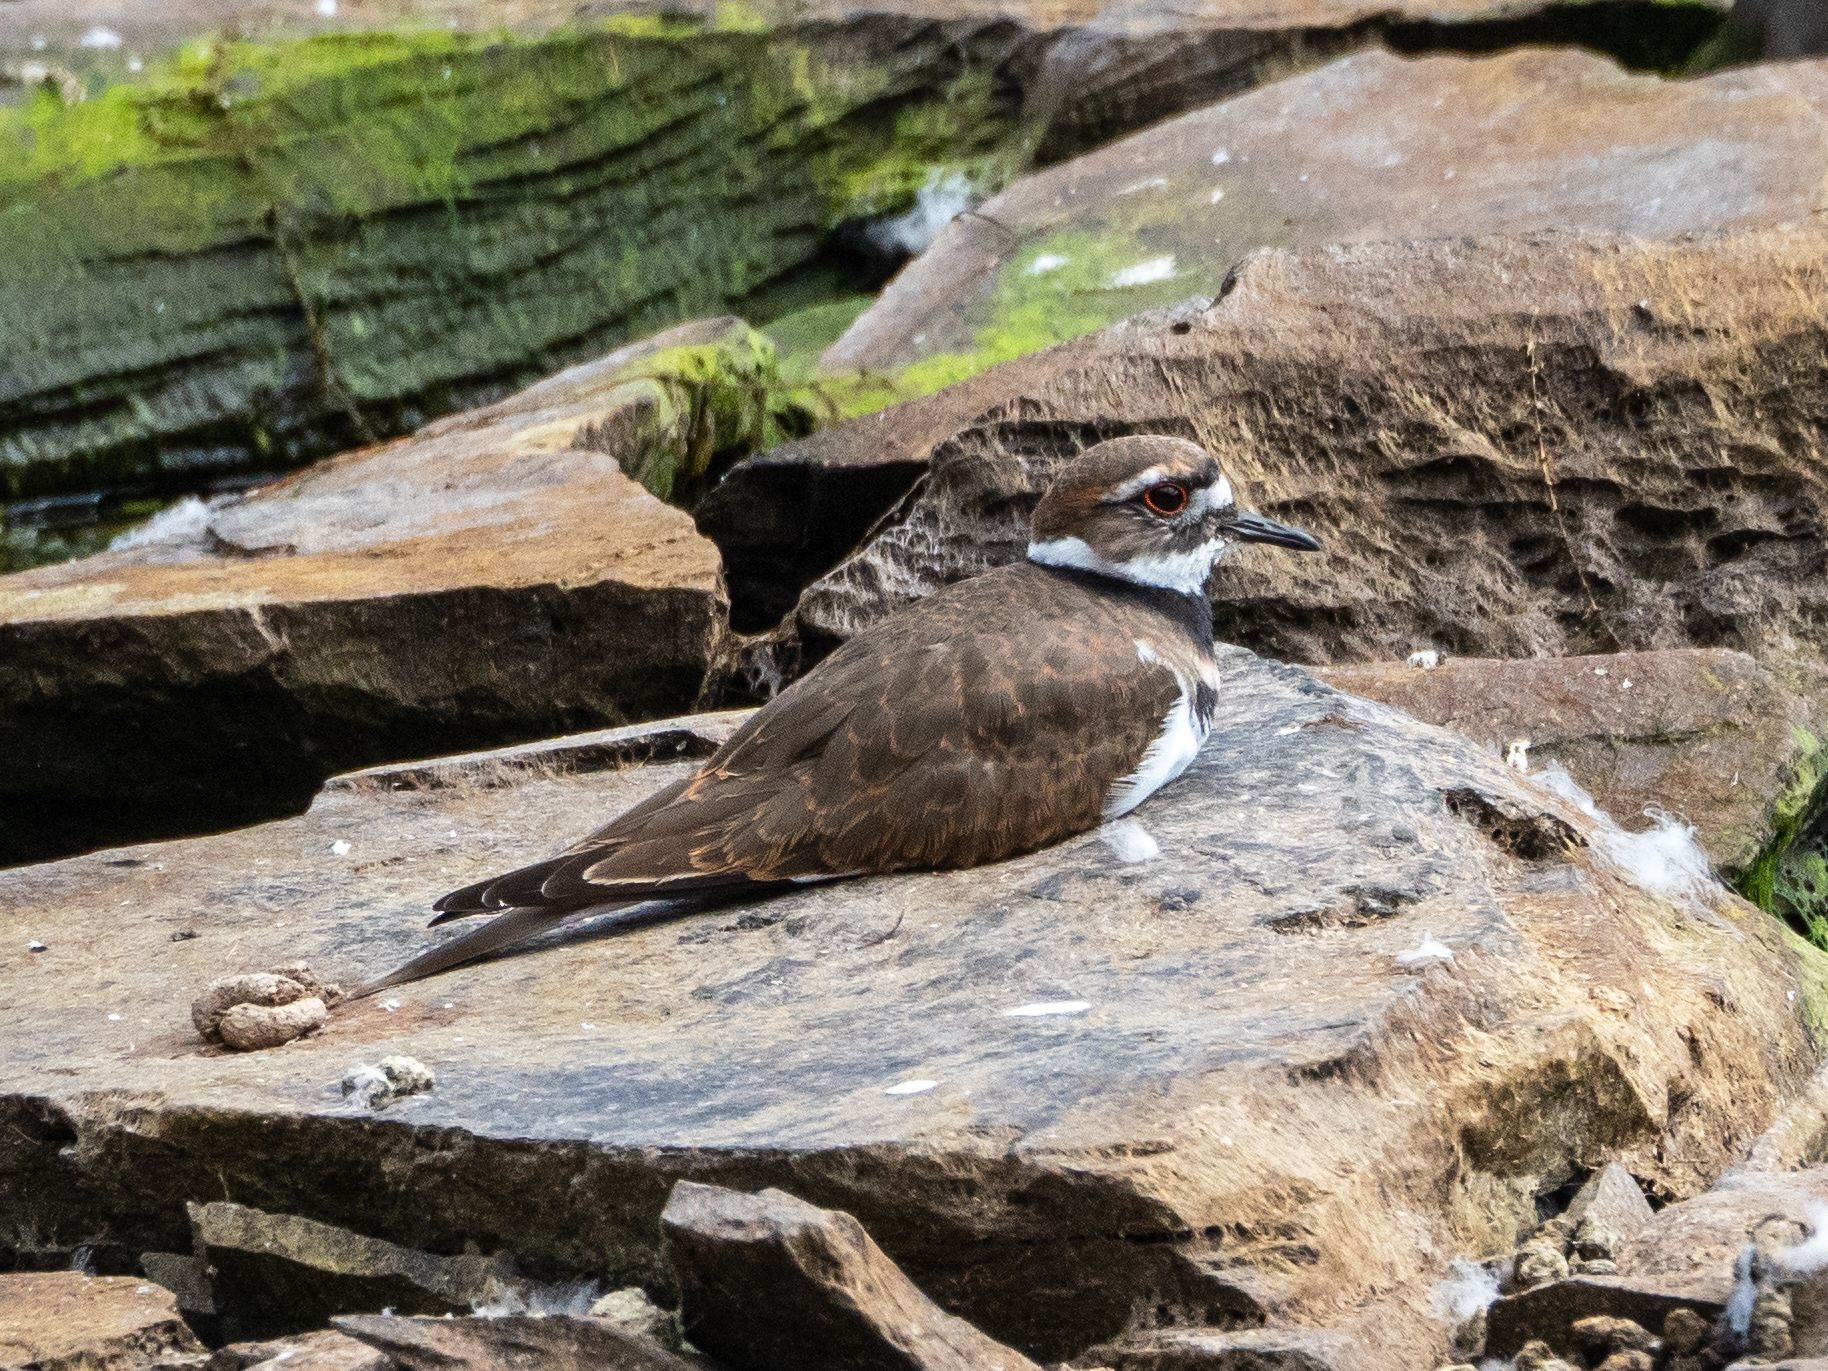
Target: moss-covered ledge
{"x": 256, "y": 252}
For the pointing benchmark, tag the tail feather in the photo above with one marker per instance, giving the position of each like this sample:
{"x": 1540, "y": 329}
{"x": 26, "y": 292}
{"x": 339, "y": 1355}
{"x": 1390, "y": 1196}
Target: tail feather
{"x": 505, "y": 929}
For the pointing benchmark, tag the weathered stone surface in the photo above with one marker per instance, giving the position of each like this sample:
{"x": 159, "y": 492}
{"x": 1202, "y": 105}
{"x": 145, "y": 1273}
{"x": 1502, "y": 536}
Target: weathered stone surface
{"x": 1199, "y": 1349}
{"x": 1609, "y": 1209}
{"x": 1511, "y": 447}
{"x": 1699, "y": 1239}
{"x": 551, "y": 1343}
{"x": 770, "y": 1282}
{"x": 1260, "y": 1115}
{"x": 1549, "y": 1312}
{"x": 322, "y": 1349}
{"x": 1357, "y": 151}
{"x": 1705, "y": 734}
{"x": 494, "y": 577}
{"x": 280, "y": 1273}
{"x": 66, "y": 1321}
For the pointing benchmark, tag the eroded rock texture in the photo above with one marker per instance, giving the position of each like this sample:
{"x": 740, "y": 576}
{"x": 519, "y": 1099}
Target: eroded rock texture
{"x": 1073, "y": 1096}
{"x": 1511, "y": 447}
{"x": 497, "y": 576}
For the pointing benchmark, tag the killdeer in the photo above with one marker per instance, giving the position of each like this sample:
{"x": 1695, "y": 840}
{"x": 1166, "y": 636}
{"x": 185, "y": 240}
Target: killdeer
{"x": 998, "y": 716}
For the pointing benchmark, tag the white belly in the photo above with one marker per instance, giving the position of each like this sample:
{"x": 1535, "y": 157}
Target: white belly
{"x": 1168, "y": 756}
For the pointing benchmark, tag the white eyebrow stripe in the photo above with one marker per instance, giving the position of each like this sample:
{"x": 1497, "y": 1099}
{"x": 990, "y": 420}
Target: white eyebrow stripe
{"x": 1137, "y": 484}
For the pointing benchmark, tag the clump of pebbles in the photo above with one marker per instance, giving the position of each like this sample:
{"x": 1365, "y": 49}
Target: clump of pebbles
{"x": 263, "y": 1009}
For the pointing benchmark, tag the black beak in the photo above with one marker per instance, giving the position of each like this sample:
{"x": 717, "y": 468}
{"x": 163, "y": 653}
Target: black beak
{"x": 1254, "y": 528}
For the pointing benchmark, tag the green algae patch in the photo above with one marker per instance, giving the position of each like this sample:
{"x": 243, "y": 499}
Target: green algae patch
{"x": 703, "y": 406}
{"x": 259, "y": 252}
{"x": 1789, "y": 877}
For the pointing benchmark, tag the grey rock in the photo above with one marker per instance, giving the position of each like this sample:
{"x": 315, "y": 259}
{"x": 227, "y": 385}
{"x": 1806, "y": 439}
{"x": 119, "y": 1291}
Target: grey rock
{"x": 770, "y": 1282}
{"x": 1549, "y": 1313}
{"x": 1205, "y": 1349}
{"x": 1606, "y": 1211}
{"x": 1210, "y": 1143}
{"x": 322, "y": 1349}
{"x": 280, "y": 1274}
{"x": 560, "y": 1342}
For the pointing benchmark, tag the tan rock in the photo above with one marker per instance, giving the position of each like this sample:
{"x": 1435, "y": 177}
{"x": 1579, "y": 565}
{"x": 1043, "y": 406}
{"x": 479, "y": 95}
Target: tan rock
{"x": 1358, "y": 151}
{"x": 339, "y": 618}
{"x": 1453, "y": 384}
{"x": 322, "y": 1349}
{"x": 253, "y": 1027}
{"x": 66, "y": 1321}
{"x": 1704, "y": 734}
{"x": 771, "y": 1282}
{"x": 1261, "y": 1117}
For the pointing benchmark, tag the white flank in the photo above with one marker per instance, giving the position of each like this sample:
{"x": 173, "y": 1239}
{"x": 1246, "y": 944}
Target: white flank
{"x": 1426, "y": 659}
{"x": 1047, "y": 1009}
{"x": 1182, "y": 571}
{"x": 1177, "y": 744}
{"x": 1144, "y": 273}
{"x": 1046, "y": 262}
{"x": 910, "y": 1088}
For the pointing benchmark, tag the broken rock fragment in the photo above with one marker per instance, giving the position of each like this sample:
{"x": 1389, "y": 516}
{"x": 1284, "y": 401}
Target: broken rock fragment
{"x": 771, "y": 1282}
{"x": 560, "y": 1342}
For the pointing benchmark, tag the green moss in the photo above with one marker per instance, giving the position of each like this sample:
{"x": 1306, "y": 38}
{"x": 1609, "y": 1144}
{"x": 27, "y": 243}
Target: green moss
{"x": 1789, "y": 877}
{"x": 324, "y": 239}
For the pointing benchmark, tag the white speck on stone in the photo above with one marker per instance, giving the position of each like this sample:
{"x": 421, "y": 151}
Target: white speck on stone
{"x": 340, "y": 848}
{"x": 1448, "y": 175}
{"x": 946, "y": 195}
{"x": 1046, "y": 262}
{"x": 38, "y": 43}
{"x": 135, "y": 65}
{"x": 1153, "y": 183}
{"x": 390, "y": 1005}
{"x": 1427, "y": 659}
{"x": 1517, "y": 755}
{"x": 1625, "y": 684}
{"x": 35, "y": 946}
{"x": 1426, "y": 953}
{"x": 1218, "y": 194}
{"x": 1221, "y": 157}
{"x": 391, "y": 1078}
{"x": 1287, "y": 729}
{"x": 100, "y": 37}
{"x": 588, "y": 1027}
{"x": 1129, "y": 842}
{"x": 910, "y": 1087}
{"x": 1047, "y": 1009}
{"x": 1225, "y": 1140}
{"x": 1600, "y": 671}
{"x": 1468, "y": 1289}
{"x": 1303, "y": 177}
{"x": 1144, "y": 273}
{"x": 114, "y": 1018}
{"x": 325, "y": 9}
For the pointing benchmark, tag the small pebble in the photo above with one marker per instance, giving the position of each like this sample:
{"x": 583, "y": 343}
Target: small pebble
{"x": 183, "y": 935}
{"x": 1538, "y": 1264}
{"x": 36, "y": 946}
{"x": 1684, "y": 1331}
{"x": 252, "y": 1027}
{"x": 391, "y": 1078}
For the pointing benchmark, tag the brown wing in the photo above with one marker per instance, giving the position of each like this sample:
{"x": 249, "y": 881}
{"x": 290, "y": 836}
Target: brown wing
{"x": 988, "y": 720}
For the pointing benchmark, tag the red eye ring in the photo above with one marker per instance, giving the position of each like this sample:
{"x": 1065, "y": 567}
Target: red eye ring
{"x": 1166, "y": 498}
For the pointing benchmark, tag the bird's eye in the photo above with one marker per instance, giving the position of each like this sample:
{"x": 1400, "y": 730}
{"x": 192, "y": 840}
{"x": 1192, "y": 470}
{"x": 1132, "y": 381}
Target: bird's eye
{"x": 1165, "y": 498}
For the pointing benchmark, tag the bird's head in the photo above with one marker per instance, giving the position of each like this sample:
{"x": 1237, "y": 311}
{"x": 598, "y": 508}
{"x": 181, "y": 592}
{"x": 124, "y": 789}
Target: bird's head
{"x": 1152, "y": 510}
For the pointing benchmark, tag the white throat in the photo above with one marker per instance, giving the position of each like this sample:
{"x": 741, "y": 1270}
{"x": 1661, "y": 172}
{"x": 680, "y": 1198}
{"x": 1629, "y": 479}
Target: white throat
{"x": 1185, "y": 572}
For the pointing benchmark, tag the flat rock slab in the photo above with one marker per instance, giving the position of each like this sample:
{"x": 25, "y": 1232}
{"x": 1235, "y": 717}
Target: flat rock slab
{"x": 1509, "y": 447}
{"x": 66, "y": 1321}
{"x": 1371, "y": 147}
{"x": 559, "y": 1343}
{"x": 1704, "y": 734}
{"x": 1233, "y": 1083}
{"x": 495, "y": 577}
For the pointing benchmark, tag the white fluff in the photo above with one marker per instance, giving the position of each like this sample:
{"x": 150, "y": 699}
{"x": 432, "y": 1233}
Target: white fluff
{"x": 1663, "y": 860}
{"x": 184, "y": 522}
{"x": 1469, "y": 1287}
{"x": 1221, "y": 157}
{"x": 1811, "y": 1254}
{"x": 1426, "y": 953}
{"x": 1047, "y": 1009}
{"x": 388, "y": 1079}
{"x": 1130, "y": 842}
{"x": 936, "y": 204}
{"x": 1745, "y": 1293}
{"x": 538, "y": 1300}
{"x": 1046, "y": 262}
{"x": 340, "y": 848}
{"x": 1517, "y": 755}
{"x": 1144, "y": 273}
{"x": 911, "y": 1087}
{"x": 326, "y": 9}
{"x": 99, "y": 37}
{"x": 1426, "y": 659}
